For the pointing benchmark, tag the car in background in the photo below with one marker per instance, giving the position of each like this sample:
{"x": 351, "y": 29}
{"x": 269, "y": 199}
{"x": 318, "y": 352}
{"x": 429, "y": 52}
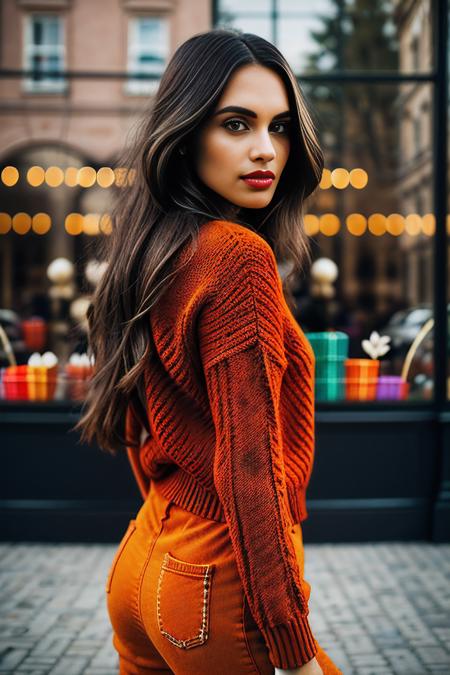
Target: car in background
{"x": 404, "y": 325}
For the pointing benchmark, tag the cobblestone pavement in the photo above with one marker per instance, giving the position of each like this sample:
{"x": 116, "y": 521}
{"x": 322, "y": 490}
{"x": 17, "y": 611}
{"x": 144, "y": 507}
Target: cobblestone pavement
{"x": 377, "y": 609}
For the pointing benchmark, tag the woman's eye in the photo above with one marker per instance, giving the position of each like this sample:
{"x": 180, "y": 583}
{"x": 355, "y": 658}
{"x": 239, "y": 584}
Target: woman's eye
{"x": 281, "y": 127}
{"x": 284, "y": 127}
{"x": 232, "y": 122}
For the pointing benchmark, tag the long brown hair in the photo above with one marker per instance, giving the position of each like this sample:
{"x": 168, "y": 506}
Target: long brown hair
{"x": 162, "y": 209}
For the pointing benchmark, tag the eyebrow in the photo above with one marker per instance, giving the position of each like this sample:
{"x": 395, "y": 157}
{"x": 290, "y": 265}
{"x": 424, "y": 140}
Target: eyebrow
{"x": 248, "y": 113}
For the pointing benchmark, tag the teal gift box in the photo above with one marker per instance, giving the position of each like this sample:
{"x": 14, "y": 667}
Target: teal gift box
{"x": 330, "y": 350}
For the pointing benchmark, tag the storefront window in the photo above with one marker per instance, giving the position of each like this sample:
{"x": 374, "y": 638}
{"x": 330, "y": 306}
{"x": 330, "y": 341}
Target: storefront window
{"x": 54, "y": 209}
{"x": 373, "y": 217}
{"x": 367, "y": 303}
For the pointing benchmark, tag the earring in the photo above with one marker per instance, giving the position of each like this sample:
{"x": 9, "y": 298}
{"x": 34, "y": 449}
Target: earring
{"x": 182, "y": 150}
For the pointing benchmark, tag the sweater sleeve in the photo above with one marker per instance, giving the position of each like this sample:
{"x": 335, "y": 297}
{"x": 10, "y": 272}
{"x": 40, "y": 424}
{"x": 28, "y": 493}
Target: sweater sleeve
{"x": 243, "y": 358}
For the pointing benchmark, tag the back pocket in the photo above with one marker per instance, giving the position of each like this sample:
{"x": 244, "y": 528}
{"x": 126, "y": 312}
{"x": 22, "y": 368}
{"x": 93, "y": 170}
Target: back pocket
{"x": 183, "y": 600}
{"x": 129, "y": 531}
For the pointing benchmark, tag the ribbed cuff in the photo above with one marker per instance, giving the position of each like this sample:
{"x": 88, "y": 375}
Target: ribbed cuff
{"x": 292, "y": 644}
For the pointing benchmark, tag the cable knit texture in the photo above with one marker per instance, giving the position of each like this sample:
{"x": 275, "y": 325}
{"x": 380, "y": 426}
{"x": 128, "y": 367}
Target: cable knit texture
{"x": 231, "y": 412}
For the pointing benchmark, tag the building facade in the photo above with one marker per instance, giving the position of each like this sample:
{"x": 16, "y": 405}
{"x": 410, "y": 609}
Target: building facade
{"x": 75, "y": 79}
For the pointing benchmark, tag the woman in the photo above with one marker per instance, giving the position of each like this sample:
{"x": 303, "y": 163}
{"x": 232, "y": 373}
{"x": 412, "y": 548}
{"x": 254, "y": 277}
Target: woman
{"x": 193, "y": 337}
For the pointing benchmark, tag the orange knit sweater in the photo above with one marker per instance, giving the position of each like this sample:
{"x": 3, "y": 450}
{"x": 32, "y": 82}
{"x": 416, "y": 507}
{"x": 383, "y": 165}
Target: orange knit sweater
{"x": 231, "y": 413}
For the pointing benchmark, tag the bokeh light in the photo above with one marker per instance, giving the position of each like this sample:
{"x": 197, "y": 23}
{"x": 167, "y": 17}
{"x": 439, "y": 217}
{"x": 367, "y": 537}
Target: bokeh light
{"x": 5, "y": 223}
{"x": 413, "y": 224}
{"x": 71, "y": 176}
{"x": 74, "y": 223}
{"x": 329, "y": 224}
{"x": 356, "y": 224}
{"x": 105, "y": 177}
{"x": 358, "y": 178}
{"x": 35, "y": 176}
{"x": 325, "y": 182}
{"x": 340, "y": 178}
{"x": 10, "y": 176}
{"x": 54, "y": 176}
{"x": 87, "y": 176}
{"x": 21, "y": 222}
{"x": 429, "y": 224}
{"x": 312, "y": 225}
{"x": 41, "y": 223}
{"x": 395, "y": 224}
{"x": 105, "y": 223}
{"x": 377, "y": 224}
{"x": 120, "y": 174}
{"x": 91, "y": 223}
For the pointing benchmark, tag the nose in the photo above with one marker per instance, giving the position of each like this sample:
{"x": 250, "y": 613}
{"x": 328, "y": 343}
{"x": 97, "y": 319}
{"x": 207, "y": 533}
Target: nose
{"x": 262, "y": 148}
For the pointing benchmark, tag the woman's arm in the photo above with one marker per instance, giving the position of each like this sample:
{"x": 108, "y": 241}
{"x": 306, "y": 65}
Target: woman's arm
{"x": 243, "y": 356}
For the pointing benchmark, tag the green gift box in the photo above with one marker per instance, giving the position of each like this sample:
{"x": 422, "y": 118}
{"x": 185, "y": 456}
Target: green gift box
{"x": 329, "y": 389}
{"x": 330, "y": 351}
{"x": 332, "y": 370}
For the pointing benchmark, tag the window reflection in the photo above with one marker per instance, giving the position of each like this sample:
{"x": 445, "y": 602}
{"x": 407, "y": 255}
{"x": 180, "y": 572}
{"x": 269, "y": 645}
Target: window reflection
{"x": 339, "y": 34}
{"x": 371, "y": 222}
{"x": 374, "y": 213}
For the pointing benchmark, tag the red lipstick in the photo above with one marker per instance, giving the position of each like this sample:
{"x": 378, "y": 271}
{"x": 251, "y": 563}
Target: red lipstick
{"x": 259, "y": 179}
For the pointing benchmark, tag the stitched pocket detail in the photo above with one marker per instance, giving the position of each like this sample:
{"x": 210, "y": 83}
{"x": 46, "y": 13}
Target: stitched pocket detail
{"x": 129, "y": 531}
{"x": 183, "y": 601}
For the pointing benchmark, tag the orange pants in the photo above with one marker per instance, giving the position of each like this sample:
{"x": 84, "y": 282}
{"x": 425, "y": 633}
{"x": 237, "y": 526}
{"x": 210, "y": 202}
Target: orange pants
{"x": 176, "y": 602}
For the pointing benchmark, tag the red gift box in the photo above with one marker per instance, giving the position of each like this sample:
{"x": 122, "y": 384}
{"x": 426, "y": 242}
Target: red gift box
{"x": 24, "y": 382}
{"x": 361, "y": 377}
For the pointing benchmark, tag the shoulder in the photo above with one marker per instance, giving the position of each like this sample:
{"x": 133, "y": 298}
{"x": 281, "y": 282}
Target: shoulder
{"x": 243, "y": 266}
{"x": 223, "y": 255}
{"x": 221, "y": 230}
{"x": 246, "y": 306}
{"x": 234, "y": 243}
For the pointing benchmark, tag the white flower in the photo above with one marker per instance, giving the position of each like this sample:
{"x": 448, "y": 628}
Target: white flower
{"x": 377, "y": 345}
{"x": 35, "y": 359}
{"x": 47, "y": 359}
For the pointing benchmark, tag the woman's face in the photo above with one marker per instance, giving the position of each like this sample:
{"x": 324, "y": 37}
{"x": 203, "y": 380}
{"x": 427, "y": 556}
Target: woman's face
{"x": 251, "y": 135}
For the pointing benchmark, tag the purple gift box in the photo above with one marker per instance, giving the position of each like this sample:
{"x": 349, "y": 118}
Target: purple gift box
{"x": 392, "y": 387}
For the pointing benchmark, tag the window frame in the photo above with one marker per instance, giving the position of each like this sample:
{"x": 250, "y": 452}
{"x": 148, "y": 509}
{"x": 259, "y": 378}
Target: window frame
{"x": 137, "y": 86}
{"x": 45, "y": 85}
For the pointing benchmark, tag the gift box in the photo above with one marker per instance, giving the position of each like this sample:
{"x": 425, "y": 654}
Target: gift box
{"x": 79, "y": 371}
{"x": 361, "y": 379}
{"x": 329, "y": 389}
{"x": 25, "y": 383}
{"x": 330, "y": 351}
{"x": 392, "y": 387}
{"x": 15, "y": 383}
{"x": 34, "y": 333}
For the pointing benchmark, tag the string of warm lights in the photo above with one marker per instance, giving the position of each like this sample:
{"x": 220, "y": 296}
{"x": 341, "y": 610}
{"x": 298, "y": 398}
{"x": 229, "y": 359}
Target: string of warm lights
{"x": 377, "y": 224}
{"x": 341, "y": 178}
{"x": 40, "y": 223}
{"x": 87, "y": 176}
{"x": 328, "y": 224}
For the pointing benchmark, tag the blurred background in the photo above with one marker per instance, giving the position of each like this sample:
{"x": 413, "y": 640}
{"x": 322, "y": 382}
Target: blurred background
{"x": 375, "y": 305}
